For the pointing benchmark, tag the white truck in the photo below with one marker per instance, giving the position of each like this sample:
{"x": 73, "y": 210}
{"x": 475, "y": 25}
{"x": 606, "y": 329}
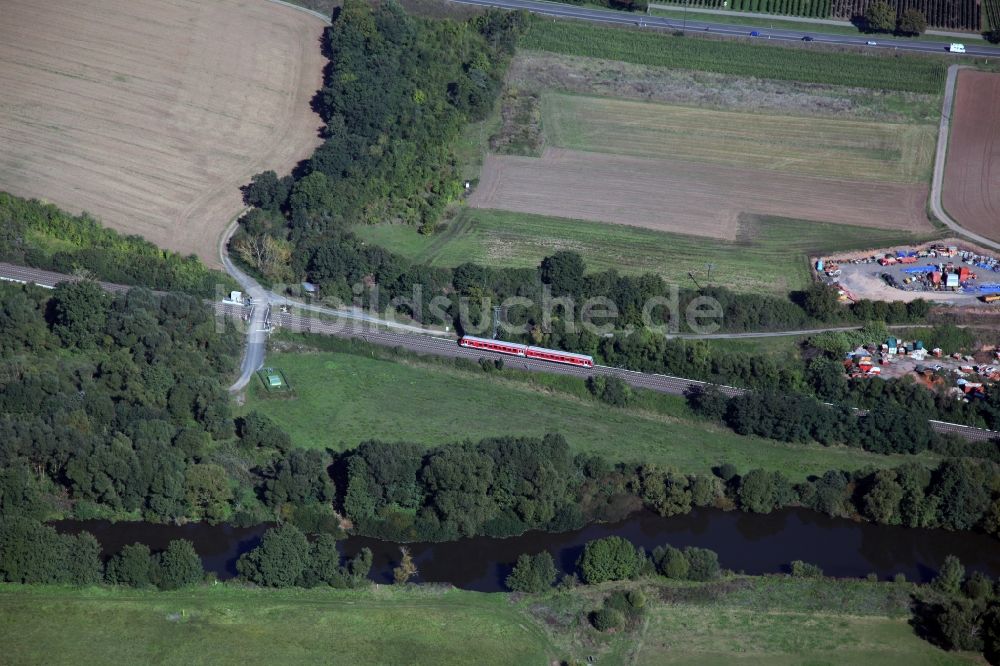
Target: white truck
{"x": 956, "y": 48}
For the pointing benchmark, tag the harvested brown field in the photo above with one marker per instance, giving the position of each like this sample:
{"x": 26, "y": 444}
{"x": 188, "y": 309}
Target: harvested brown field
{"x": 150, "y": 114}
{"x": 972, "y": 171}
{"x": 687, "y": 197}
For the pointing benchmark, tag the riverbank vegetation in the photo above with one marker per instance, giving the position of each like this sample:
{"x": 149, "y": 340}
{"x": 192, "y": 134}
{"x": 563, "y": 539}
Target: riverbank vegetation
{"x": 41, "y": 235}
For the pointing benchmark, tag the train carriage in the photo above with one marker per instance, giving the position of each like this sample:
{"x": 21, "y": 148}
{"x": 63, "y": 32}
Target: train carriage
{"x": 500, "y": 346}
{"x": 516, "y": 349}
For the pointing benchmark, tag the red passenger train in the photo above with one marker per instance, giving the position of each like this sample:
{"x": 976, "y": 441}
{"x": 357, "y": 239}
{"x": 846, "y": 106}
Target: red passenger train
{"x": 527, "y": 351}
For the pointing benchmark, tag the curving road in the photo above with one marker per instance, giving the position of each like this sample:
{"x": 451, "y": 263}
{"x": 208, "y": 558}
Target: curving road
{"x": 558, "y": 10}
{"x": 256, "y": 348}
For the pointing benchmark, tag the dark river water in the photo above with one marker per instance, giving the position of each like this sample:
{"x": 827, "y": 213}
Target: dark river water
{"x": 752, "y": 543}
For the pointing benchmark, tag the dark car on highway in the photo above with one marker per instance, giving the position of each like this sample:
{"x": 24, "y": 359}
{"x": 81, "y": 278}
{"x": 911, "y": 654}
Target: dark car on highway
{"x": 807, "y": 38}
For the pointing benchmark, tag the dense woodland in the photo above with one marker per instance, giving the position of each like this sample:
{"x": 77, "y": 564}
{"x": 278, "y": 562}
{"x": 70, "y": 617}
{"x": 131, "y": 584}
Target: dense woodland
{"x": 43, "y": 236}
{"x": 114, "y": 406}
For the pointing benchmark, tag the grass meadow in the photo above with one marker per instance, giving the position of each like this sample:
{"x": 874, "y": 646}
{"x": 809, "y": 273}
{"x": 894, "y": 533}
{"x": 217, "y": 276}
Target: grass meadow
{"x": 227, "y": 625}
{"x": 824, "y": 147}
{"x": 772, "y": 254}
{"x": 745, "y": 620}
{"x": 342, "y": 399}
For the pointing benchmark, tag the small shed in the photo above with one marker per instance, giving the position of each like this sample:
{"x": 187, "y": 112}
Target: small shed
{"x": 309, "y": 288}
{"x": 274, "y": 380}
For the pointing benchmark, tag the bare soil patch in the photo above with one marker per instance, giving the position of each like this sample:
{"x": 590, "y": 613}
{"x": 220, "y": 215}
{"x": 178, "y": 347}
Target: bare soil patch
{"x": 687, "y": 197}
{"x": 150, "y": 114}
{"x": 972, "y": 172}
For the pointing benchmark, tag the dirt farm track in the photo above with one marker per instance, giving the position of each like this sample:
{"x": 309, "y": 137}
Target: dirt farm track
{"x": 149, "y": 114}
{"x": 971, "y": 192}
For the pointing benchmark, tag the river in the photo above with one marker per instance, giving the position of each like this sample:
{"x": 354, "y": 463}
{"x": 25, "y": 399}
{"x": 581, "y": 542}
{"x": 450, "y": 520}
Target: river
{"x": 752, "y": 543}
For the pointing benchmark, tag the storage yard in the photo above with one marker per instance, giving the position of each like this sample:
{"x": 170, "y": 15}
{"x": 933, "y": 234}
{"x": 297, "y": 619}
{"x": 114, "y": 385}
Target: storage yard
{"x": 945, "y": 272}
{"x": 151, "y": 115}
{"x": 965, "y": 376}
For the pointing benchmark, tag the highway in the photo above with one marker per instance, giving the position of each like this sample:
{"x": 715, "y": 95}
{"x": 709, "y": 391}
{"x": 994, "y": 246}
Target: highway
{"x": 371, "y": 330}
{"x": 559, "y": 10}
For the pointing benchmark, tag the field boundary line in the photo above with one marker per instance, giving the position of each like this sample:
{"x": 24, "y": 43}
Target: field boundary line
{"x": 940, "y": 157}
{"x": 322, "y": 17}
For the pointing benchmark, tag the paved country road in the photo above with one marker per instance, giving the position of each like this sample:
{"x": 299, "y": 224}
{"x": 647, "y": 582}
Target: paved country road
{"x": 559, "y": 10}
{"x": 256, "y": 347}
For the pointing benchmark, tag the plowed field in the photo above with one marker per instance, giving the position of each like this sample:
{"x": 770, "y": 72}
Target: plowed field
{"x": 972, "y": 172}
{"x": 688, "y": 197}
{"x": 150, "y": 114}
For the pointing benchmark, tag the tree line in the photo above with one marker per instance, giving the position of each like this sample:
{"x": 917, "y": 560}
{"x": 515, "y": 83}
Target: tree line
{"x": 888, "y": 427}
{"x": 41, "y": 235}
{"x": 505, "y": 486}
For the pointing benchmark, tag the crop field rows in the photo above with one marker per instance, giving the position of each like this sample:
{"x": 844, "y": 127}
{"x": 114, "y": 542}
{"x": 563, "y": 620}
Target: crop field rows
{"x": 151, "y": 114}
{"x": 991, "y": 14}
{"x": 820, "y": 147}
{"x": 810, "y": 8}
{"x": 953, "y": 14}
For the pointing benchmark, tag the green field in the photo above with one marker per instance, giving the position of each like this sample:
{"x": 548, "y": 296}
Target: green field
{"x": 744, "y": 620}
{"x": 823, "y": 147}
{"x": 755, "y": 620}
{"x": 924, "y": 74}
{"x": 223, "y": 625}
{"x": 343, "y": 399}
{"x": 723, "y": 636}
{"x": 771, "y": 255}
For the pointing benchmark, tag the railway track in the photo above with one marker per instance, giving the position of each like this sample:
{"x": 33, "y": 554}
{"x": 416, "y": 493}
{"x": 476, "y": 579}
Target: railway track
{"x": 439, "y": 346}
{"x": 365, "y": 330}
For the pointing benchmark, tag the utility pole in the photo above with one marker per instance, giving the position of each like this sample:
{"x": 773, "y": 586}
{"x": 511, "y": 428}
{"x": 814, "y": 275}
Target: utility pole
{"x": 691, "y": 275}
{"x": 685, "y": 16}
{"x": 710, "y": 267}
{"x": 496, "y": 320}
